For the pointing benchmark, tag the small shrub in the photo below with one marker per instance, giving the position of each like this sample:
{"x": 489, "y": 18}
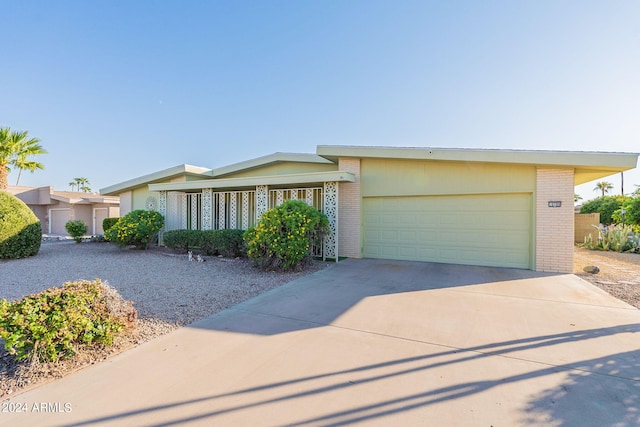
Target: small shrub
{"x": 50, "y": 325}
{"x": 181, "y": 240}
{"x": 283, "y": 237}
{"x": 76, "y": 229}
{"x": 107, "y": 223}
{"x": 137, "y": 228}
{"x": 20, "y": 230}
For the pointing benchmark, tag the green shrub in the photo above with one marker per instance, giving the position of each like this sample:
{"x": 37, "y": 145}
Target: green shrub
{"x": 181, "y": 240}
{"x": 52, "y": 324}
{"x": 76, "y": 229}
{"x": 606, "y": 206}
{"x": 20, "y": 230}
{"x": 107, "y": 223}
{"x": 619, "y": 238}
{"x": 632, "y": 213}
{"x": 137, "y": 228}
{"x": 228, "y": 243}
{"x": 283, "y": 237}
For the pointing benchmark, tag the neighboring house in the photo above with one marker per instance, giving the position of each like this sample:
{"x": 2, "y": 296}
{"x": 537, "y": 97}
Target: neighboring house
{"x": 506, "y": 208}
{"x": 55, "y": 208}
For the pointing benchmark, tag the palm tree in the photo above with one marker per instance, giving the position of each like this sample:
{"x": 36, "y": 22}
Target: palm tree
{"x": 15, "y": 150}
{"x": 603, "y": 186}
{"x": 82, "y": 184}
{"x": 576, "y": 197}
{"x": 73, "y": 184}
{"x": 26, "y": 147}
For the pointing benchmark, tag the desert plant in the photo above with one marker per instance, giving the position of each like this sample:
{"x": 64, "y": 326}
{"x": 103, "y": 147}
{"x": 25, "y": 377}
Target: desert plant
{"x": 107, "y": 223}
{"x": 20, "y": 230}
{"x": 50, "y": 325}
{"x": 137, "y": 228}
{"x": 617, "y": 238}
{"x": 283, "y": 237}
{"x": 76, "y": 229}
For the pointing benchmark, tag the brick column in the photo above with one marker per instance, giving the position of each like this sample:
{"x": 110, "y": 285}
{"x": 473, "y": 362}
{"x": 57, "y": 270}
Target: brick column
{"x": 350, "y": 210}
{"x": 554, "y": 225}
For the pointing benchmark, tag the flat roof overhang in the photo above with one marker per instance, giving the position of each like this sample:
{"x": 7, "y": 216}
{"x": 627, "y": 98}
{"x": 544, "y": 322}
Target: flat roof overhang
{"x": 247, "y": 182}
{"x": 588, "y": 165}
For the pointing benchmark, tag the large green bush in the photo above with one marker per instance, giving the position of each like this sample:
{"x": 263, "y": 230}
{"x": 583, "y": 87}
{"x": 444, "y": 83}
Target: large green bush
{"x": 76, "y": 229}
{"x": 20, "y": 230}
{"x": 52, "y": 324}
{"x": 284, "y": 236}
{"x": 631, "y": 215}
{"x": 606, "y": 206}
{"x": 137, "y": 228}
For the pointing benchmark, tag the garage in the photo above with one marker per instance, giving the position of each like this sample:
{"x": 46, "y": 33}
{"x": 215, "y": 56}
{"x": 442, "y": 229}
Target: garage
{"x": 57, "y": 220}
{"x": 485, "y": 229}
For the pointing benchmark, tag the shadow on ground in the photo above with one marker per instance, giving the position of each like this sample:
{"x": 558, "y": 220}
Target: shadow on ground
{"x": 561, "y": 406}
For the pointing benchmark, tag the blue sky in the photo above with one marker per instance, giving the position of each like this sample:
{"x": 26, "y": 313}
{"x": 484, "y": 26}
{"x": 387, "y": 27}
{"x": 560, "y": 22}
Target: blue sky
{"x": 118, "y": 89}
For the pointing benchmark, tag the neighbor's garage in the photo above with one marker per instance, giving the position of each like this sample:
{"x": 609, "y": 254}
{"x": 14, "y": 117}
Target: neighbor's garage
{"x": 491, "y": 230}
{"x": 57, "y": 220}
{"x": 449, "y": 212}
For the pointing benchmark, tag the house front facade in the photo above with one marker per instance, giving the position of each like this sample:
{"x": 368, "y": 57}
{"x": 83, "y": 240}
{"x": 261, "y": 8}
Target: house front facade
{"x": 504, "y": 208}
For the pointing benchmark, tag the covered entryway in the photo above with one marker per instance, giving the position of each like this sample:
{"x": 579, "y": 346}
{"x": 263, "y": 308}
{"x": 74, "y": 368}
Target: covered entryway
{"x": 57, "y": 220}
{"x": 487, "y": 229}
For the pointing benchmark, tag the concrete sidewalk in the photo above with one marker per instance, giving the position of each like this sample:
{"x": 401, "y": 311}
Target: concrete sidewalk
{"x": 377, "y": 343}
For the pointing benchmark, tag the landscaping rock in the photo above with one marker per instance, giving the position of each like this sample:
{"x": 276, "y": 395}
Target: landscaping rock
{"x": 591, "y": 269}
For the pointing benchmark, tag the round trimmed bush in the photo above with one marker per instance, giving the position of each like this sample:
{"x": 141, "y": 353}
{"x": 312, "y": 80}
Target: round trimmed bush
{"x": 283, "y": 238}
{"x": 76, "y": 229}
{"x": 137, "y": 228}
{"x": 20, "y": 230}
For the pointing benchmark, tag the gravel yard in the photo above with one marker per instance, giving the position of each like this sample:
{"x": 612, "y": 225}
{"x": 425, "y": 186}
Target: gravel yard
{"x": 167, "y": 289}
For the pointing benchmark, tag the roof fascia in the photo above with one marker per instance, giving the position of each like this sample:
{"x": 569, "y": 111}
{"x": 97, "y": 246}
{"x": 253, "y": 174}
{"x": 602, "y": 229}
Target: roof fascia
{"x": 303, "y": 178}
{"x": 270, "y": 159}
{"x": 156, "y": 176}
{"x": 617, "y": 161}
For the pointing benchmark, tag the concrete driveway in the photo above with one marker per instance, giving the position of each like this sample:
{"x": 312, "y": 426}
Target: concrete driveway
{"x": 374, "y": 342}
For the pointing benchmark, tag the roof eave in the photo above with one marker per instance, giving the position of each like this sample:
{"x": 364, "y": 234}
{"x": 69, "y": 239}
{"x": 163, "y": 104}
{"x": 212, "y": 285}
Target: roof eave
{"x": 616, "y": 161}
{"x": 184, "y": 169}
{"x": 291, "y": 179}
{"x": 268, "y": 160}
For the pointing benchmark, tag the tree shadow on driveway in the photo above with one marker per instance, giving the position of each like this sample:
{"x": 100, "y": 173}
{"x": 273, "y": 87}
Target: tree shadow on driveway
{"x": 601, "y": 391}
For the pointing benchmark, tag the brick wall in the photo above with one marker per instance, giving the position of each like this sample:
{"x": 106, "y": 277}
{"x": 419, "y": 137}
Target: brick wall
{"x": 349, "y": 206}
{"x": 554, "y": 225}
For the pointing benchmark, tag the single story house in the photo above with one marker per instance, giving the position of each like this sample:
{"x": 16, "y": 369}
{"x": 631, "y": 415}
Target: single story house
{"x": 54, "y": 208}
{"x": 507, "y": 208}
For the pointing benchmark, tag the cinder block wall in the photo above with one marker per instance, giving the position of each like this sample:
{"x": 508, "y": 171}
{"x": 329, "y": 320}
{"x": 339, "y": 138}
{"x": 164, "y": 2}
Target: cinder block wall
{"x": 584, "y": 226}
{"x": 349, "y": 208}
{"x": 554, "y": 225}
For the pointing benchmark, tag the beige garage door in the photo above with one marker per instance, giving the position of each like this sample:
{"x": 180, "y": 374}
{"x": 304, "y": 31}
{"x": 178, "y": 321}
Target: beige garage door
{"x": 491, "y": 230}
{"x": 57, "y": 220}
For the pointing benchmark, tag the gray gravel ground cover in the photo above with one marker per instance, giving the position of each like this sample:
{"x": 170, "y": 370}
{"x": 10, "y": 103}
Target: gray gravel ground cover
{"x": 167, "y": 290}
{"x": 163, "y": 285}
